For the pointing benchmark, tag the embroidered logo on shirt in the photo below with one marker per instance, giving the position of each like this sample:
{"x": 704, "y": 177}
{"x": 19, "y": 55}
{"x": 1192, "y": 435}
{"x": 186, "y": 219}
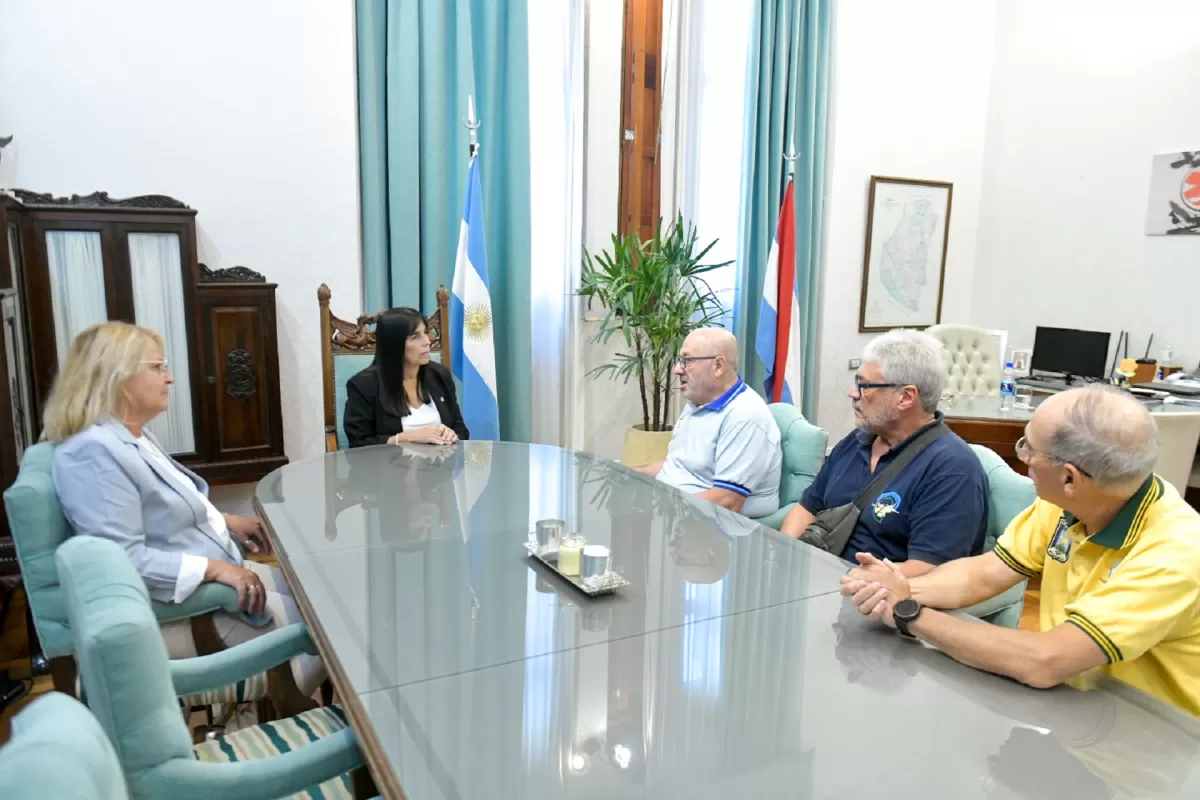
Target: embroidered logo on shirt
{"x": 1060, "y": 543}
{"x": 886, "y": 503}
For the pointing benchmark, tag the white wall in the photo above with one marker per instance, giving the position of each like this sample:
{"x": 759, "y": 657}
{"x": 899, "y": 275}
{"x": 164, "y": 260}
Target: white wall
{"x": 1083, "y": 95}
{"x": 910, "y": 99}
{"x": 244, "y": 111}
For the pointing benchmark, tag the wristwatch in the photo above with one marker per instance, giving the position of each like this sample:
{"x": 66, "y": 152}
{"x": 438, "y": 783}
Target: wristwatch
{"x": 905, "y": 613}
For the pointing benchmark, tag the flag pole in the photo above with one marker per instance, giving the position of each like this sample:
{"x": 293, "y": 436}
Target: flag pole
{"x": 791, "y": 157}
{"x": 472, "y": 125}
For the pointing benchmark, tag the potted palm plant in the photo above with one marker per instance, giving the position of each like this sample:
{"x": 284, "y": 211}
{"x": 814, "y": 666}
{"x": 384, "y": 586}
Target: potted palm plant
{"x": 654, "y": 294}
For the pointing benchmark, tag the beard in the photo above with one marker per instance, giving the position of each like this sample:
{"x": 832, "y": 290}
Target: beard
{"x": 874, "y": 423}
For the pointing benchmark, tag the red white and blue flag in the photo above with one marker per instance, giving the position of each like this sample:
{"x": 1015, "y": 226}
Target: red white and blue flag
{"x": 778, "y": 340}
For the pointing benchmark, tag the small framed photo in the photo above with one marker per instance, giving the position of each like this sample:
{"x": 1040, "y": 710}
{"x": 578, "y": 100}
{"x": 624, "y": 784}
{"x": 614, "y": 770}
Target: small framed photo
{"x": 1020, "y": 361}
{"x": 904, "y": 262}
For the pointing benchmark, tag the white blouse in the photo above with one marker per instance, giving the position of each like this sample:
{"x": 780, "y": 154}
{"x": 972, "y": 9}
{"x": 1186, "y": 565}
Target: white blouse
{"x": 426, "y": 416}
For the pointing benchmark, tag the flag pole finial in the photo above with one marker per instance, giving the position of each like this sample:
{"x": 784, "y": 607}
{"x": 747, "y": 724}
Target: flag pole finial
{"x": 791, "y": 157}
{"x": 472, "y": 124}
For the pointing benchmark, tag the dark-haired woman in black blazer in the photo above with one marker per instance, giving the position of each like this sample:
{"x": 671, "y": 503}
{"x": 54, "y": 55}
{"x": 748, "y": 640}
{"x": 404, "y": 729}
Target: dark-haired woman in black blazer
{"x": 402, "y": 396}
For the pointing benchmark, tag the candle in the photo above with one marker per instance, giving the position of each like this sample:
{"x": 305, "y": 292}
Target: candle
{"x": 568, "y": 554}
{"x": 593, "y": 564}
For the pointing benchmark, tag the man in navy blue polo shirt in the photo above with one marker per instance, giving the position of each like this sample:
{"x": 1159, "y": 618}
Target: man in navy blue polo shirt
{"x": 936, "y": 509}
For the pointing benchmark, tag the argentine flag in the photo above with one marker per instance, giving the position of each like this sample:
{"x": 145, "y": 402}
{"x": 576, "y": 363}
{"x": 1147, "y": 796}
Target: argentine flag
{"x": 473, "y": 354}
{"x": 777, "y": 342}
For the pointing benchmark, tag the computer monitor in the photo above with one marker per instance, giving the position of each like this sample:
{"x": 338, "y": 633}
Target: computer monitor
{"x": 1080, "y": 354}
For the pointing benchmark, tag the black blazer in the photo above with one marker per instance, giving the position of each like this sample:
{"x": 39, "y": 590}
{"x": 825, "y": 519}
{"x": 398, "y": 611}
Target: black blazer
{"x": 366, "y": 421}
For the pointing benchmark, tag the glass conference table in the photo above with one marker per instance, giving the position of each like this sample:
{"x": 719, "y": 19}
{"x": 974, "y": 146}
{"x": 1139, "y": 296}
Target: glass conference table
{"x": 730, "y": 666}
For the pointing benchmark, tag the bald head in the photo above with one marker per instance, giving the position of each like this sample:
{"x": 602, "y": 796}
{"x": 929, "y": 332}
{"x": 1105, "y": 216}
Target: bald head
{"x": 713, "y": 342}
{"x": 709, "y": 367}
{"x": 1103, "y": 431}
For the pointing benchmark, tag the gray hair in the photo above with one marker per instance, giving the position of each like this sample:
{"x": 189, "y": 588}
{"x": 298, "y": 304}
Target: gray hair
{"x": 911, "y": 358}
{"x": 1108, "y": 434}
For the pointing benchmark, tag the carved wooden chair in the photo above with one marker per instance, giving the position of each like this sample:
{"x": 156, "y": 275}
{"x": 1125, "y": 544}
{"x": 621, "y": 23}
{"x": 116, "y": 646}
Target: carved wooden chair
{"x": 347, "y": 348}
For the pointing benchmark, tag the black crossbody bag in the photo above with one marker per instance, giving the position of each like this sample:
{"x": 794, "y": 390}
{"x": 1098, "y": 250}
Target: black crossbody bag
{"x": 832, "y": 528}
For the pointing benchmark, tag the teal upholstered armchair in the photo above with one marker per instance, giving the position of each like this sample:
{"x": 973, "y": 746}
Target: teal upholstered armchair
{"x": 38, "y": 527}
{"x": 1009, "y": 495}
{"x": 131, "y": 687}
{"x": 348, "y": 348}
{"x": 803, "y": 454}
{"x": 58, "y": 750}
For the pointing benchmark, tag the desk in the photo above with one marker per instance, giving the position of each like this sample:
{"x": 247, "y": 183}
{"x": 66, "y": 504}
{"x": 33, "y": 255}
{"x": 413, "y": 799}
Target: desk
{"x": 979, "y": 420}
{"x": 730, "y": 666}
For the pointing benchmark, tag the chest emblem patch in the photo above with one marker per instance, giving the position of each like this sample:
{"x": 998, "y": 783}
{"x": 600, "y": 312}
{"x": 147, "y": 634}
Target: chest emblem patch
{"x": 1060, "y": 543}
{"x": 886, "y": 503}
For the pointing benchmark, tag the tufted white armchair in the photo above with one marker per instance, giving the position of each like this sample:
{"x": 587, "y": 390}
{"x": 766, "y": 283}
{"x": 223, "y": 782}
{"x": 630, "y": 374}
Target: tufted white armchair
{"x": 973, "y": 368}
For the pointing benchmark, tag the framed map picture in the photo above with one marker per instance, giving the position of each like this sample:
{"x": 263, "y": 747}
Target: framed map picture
{"x": 904, "y": 263}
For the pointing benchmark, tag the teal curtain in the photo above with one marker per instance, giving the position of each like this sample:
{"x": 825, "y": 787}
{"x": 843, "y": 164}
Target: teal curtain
{"x": 418, "y": 60}
{"x": 787, "y": 94}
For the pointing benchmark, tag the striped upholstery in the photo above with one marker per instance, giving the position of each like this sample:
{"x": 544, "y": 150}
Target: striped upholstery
{"x": 275, "y": 738}
{"x": 246, "y": 691}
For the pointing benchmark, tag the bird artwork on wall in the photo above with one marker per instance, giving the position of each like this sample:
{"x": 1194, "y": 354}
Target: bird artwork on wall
{"x": 1175, "y": 194}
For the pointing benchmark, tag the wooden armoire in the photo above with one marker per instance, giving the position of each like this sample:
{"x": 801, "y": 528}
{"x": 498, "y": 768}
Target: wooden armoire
{"x": 74, "y": 261}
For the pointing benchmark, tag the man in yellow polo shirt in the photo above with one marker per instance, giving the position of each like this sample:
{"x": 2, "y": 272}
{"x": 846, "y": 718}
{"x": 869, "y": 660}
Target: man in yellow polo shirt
{"x": 1118, "y": 551}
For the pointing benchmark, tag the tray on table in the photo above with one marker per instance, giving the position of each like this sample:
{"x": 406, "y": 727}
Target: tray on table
{"x": 597, "y": 587}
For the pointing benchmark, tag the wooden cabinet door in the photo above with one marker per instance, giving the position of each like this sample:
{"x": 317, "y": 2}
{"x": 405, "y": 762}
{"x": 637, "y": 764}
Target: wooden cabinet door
{"x": 241, "y": 375}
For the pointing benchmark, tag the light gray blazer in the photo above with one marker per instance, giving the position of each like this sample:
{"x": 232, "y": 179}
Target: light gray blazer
{"x": 108, "y": 488}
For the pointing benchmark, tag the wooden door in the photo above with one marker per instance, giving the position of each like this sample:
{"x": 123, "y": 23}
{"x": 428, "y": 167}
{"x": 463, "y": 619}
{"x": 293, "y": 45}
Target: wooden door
{"x": 640, "y": 107}
{"x": 241, "y": 366}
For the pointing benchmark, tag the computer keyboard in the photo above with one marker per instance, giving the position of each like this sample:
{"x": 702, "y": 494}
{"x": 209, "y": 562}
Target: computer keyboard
{"x": 1047, "y": 383}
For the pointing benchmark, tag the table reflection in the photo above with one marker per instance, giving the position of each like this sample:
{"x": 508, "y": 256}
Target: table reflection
{"x": 808, "y": 714}
{"x": 1094, "y": 739}
{"x": 730, "y": 665}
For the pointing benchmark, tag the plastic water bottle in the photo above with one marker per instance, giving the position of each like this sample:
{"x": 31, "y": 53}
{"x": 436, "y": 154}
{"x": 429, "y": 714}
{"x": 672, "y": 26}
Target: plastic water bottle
{"x": 1008, "y": 387}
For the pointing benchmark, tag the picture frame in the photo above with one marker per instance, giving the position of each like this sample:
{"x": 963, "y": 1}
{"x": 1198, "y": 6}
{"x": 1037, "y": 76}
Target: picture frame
{"x": 904, "y": 260}
{"x": 1174, "y": 205}
{"x": 1021, "y": 358}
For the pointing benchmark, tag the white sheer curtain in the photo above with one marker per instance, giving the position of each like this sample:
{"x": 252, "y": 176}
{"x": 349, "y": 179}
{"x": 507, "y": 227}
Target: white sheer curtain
{"x": 556, "y": 214}
{"x": 76, "y": 285}
{"x": 704, "y": 89}
{"x": 157, "y": 274}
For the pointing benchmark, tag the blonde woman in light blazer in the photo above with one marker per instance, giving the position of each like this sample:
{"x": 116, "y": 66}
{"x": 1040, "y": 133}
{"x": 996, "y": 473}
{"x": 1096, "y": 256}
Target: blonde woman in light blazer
{"x": 115, "y": 481}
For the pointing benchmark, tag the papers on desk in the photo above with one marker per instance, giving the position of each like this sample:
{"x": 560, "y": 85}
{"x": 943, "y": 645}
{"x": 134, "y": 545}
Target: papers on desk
{"x": 1183, "y": 401}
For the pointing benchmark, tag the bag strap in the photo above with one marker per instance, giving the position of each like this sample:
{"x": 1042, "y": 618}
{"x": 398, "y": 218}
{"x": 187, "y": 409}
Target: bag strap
{"x": 911, "y": 451}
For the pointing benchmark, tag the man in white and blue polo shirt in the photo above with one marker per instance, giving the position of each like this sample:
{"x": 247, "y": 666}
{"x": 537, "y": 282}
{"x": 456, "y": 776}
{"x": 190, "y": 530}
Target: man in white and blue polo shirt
{"x": 725, "y": 448}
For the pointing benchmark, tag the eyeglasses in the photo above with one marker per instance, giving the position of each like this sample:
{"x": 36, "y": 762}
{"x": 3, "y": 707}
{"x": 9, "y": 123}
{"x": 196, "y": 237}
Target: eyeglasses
{"x": 859, "y": 385}
{"x": 1026, "y": 453}
{"x": 683, "y": 361}
{"x": 158, "y": 366}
